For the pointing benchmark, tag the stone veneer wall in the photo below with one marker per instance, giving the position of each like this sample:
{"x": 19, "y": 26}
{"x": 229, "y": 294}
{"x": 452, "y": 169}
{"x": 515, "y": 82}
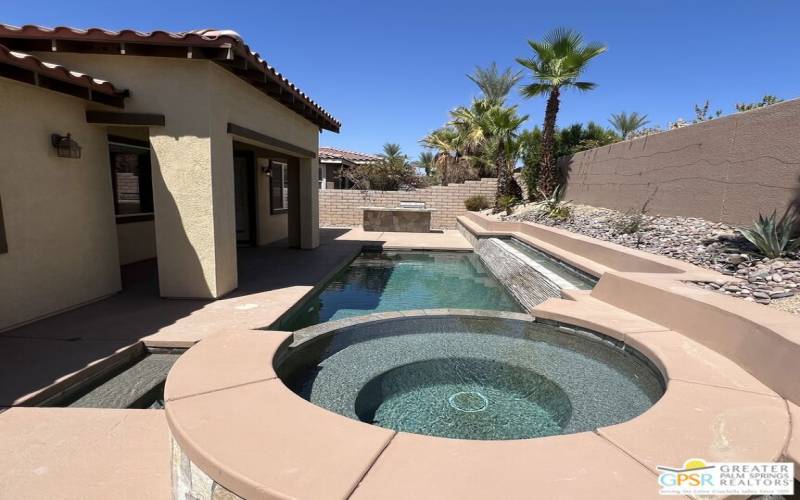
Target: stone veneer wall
{"x": 728, "y": 169}
{"x": 529, "y": 286}
{"x": 339, "y": 207}
{"x": 191, "y": 483}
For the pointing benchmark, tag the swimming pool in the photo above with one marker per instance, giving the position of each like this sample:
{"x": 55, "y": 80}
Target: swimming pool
{"x": 401, "y": 281}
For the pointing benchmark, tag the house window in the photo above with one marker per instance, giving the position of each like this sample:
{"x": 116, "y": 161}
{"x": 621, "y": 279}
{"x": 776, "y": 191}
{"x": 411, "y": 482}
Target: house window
{"x": 131, "y": 179}
{"x": 279, "y": 187}
{"x": 3, "y": 244}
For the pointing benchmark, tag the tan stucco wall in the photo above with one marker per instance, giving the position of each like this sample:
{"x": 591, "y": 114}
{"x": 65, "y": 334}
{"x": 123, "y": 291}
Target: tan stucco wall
{"x": 59, "y": 213}
{"x": 194, "y": 203}
{"x": 728, "y": 169}
{"x": 136, "y": 241}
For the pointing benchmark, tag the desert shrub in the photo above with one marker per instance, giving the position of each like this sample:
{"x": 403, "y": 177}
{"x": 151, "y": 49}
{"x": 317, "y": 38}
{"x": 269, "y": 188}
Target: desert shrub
{"x": 561, "y": 212}
{"x": 506, "y": 203}
{"x": 476, "y": 203}
{"x": 631, "y": 222}
{"x": 772, "y": 236}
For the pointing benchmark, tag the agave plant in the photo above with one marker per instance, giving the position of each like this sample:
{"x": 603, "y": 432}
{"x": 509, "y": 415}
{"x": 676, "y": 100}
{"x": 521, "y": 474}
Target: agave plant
{"x": 554, "y": 205}
{"x": 772, "y": 236}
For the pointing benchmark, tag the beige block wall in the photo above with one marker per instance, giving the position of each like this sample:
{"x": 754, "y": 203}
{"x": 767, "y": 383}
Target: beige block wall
{"x": 340, "y": 207}
{"x": 728, "y": 169}
{"x": 136, "y": 241}
{"x": 58, "y": 212}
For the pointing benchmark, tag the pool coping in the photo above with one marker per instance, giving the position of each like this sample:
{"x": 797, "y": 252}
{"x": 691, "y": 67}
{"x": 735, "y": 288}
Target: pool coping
{"x": 229, "y": 429}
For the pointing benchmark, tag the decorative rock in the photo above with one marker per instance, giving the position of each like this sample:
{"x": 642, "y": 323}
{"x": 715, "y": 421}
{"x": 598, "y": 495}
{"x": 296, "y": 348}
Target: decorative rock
{"x": 706, "y": 244}
{"x": 736, "y": 259}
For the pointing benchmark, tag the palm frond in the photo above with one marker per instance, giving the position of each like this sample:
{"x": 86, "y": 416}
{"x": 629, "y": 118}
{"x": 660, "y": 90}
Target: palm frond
{"x": 536, "y": 89}
{"x": 558, "y": 61}
{"x": 494, "y": 84}
{"x": 584, "y": 86}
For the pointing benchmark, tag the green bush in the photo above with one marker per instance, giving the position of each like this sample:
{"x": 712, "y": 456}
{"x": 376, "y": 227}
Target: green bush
{"x": 476, "y": 203}
{"x": 772, "y": 236}
{"x": 506, "y": 203}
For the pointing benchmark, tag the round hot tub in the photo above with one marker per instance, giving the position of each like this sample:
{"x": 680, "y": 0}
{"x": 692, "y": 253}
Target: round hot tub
{"x": 470, "y": 377}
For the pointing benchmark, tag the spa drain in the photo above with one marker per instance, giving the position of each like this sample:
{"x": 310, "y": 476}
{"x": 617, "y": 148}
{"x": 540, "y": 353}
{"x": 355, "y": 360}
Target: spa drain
{"x": 468, "y": 401}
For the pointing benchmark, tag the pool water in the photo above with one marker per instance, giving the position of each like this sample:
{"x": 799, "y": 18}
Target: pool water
{"x": 471, "y": 377}
{"x": 401, "y": 281}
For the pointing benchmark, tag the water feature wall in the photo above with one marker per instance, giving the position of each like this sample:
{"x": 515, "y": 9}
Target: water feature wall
{"x": 529, "y": 282}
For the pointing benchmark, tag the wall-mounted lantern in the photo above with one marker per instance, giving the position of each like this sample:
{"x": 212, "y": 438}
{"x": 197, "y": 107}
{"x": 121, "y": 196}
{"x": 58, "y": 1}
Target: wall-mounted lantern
{"x": 266, "y": 166}
{"x": 66, "y": 146}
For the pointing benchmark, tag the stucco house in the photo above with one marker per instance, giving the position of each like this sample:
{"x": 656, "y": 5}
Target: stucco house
{"x": 333, "y": 160}
{"x": 179, "y": 147}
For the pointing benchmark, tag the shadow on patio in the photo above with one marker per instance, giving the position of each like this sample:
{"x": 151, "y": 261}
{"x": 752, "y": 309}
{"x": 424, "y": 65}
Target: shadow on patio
{"x": 271, "y": 280}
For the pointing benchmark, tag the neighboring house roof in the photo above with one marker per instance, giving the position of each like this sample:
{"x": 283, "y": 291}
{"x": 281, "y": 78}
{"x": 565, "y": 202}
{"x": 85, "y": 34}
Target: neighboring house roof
{"x": 225, "y": 47}
{"x": 326, "y": 153}
{"x": 29, "y": 69}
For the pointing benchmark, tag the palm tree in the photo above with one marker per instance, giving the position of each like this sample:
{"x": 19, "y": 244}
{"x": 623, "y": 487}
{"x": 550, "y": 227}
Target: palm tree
{"x": 445, "y": 141}
{"x": 558, "y": 62}
{"x": 393, "y": 154}
{"x": 625, "y": 123}
{"x": 501, "y": 125}
{"x": 426, "y": 160}
{"x": 472, "y": 135}
{"x": 495, "y": 85}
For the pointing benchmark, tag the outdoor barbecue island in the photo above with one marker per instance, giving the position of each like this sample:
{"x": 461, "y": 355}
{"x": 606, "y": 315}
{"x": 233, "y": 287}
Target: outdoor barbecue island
{"x": 407, "y": 218}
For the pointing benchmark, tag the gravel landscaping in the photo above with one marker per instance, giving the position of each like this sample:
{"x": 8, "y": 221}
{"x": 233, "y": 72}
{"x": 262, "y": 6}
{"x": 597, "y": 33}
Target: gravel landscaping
{"x": 707, "y": 244}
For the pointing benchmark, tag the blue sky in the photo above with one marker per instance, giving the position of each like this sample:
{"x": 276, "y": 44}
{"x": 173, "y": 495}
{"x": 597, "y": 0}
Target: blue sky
{"x": 391, "y": 71}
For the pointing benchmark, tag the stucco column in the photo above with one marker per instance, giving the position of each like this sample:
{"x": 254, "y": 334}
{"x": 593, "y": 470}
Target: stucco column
{"x": 194, "y": 212}
{"x": 293, "y": 181}
{"x": 309, "y": 203}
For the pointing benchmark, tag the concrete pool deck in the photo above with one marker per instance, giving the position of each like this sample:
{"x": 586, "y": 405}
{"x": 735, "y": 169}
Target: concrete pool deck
{"x": 753, "y": 388}
{"x": 39, "y": 359}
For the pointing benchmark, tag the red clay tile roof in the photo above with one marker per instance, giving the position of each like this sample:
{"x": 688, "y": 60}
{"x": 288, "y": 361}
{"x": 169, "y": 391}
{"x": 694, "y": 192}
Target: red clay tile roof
{"x": 326, "y": 153}
{"x": 35, "y": 66}
{"x": 225, "y": 47}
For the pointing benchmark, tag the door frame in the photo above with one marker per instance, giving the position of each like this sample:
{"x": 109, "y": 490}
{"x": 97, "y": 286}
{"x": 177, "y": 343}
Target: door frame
{"x": 250, "y": 172}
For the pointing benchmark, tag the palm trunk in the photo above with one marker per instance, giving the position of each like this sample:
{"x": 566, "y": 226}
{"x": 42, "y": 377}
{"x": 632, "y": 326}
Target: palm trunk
{"x": 503, "y": 187}
{"x": 548, "y": 175}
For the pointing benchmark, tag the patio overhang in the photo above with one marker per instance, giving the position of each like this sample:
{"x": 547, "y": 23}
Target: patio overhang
{"x": 31, "y": 70}
{"x": 127, "y": 119}
{"x": 269, "y": 141}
